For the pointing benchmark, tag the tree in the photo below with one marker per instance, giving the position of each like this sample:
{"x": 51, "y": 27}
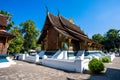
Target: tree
{"x": 111, "y": 40}
{"x": 16, "y": 45}
{"x": 10, "y": 22}
{"x": 117, "y": 41}
{"x": 38, "y": 49}
{"x": 113, "y": 35}
{"x": 30, "y": 34}
{"x": 97, "y": 38}
{"x": 5, "y": 13}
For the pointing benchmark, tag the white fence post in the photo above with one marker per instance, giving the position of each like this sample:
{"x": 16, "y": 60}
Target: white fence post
{"x": 78, "y": 65}
{"x": 23, "y": 56}
{"x": 36, "y": 58}
{"x": 26, "y": 55}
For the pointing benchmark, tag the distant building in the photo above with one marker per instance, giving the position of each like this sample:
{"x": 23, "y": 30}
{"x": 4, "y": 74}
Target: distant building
{"x": 57, "y": 30}
{"x": 4, "y": 36}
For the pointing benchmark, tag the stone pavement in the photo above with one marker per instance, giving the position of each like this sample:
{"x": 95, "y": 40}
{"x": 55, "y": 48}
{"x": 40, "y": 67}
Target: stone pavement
{"x": 28, "y": 71}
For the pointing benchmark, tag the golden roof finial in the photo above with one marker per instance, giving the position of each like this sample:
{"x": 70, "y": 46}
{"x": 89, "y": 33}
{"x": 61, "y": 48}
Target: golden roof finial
{"x": 71, "y": 20}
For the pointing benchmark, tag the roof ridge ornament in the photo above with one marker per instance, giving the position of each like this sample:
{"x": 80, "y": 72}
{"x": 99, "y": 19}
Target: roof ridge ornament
{"x": 47, "y": 11}
{"x": 58, "y": 12}
{"x": 71, "y": 20}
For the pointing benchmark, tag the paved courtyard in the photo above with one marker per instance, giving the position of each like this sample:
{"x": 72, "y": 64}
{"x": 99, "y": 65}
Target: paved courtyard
{"x": 28, "y": 71}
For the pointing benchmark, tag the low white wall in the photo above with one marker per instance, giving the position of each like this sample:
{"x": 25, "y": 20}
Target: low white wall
{"x": 85, "y": 63}
{"x": 111, "y": 57}
{"x": 33, "y": 59}
{"x": 56, "y": 54}
{"x": 41, "y": 54}
{"x": 69, "y": 65}
{"x": 21, "y": 56}
{"x": 61, "y": 61}
{"x": 28, "y": 58}
{"x": 60, "y": 64}
{"x": 61, "y": 55}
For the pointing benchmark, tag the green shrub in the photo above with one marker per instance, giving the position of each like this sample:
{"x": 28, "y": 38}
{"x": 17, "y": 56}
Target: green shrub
{"x": 105, "y": 59}
{"x": 96, "y": 66}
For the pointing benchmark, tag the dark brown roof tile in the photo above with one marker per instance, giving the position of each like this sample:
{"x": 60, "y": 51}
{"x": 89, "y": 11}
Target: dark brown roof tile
{"x": 65, "y": 27}
{"x": 70, "y": 25}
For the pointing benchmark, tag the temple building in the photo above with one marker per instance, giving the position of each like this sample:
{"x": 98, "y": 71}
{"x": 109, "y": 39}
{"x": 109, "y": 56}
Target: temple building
{"x": 57, "y": 30}
{"x": 4, "y": 36}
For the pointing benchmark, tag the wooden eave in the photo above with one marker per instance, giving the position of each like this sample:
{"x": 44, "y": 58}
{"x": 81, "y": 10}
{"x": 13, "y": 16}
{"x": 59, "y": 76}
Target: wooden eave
{"x": 48, "y": 22}
{"x": 63, "y": 32}
{"x": 43, "y": 32}
{"x": 73, "y": 32}
{"x": 95, "y": 43}
{"x": 5, "y": 34}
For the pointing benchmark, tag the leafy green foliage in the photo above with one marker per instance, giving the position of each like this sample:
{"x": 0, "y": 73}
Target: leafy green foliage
{"x": 26, "y": 37}
{"x": 96, "y": 66}
{"x": 30, "y": 34}
{"x": 38, "y": 49}
{"x": 5, "y": 13}
{"x": 105, "y": 59}
{"x": 9, "y": 25}
{"x": 113, "y": 39}
{"x": 97, "y": 38}
{"x": 16, "y": 45}
{"x": 110, "y": 40}
{"x": 113, "y": 35}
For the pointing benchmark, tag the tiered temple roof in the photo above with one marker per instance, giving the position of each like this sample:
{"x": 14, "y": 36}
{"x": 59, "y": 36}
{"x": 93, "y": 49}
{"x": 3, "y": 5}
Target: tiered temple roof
{"x": 64, "y": 27}
{"x": 3, "y": 25}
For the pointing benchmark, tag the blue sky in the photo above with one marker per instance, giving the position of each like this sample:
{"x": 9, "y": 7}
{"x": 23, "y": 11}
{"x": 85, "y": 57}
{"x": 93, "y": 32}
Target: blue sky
{"x": 93, "y": 16}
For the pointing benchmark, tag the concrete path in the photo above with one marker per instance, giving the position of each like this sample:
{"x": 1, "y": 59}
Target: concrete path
{"x": 28, "y": 71}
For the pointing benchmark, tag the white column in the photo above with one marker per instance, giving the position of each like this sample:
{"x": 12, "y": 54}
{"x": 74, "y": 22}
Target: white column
{"x": 36, "y": 58}
{"x": 23, "y": 56}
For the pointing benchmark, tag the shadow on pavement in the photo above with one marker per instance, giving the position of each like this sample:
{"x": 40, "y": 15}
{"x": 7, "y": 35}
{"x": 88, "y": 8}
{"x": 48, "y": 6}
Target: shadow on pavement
{"x": 110, "y": 74}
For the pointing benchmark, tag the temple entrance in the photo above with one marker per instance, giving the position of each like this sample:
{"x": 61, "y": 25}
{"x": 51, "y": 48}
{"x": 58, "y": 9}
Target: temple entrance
{"x": 75, "y": 45}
